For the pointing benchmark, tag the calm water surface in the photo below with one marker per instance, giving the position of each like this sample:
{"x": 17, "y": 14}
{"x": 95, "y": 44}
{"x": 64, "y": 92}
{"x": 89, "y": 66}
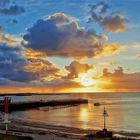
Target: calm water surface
{"x": 123, "y": 109}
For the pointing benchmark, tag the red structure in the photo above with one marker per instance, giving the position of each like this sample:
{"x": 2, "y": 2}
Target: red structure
{"x": 6, "y": 101}
{"x": 6, "y": 121}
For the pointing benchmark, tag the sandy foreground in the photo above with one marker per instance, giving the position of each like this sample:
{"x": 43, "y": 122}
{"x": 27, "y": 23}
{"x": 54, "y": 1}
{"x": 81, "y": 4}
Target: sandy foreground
{"x": 42, "y": 131}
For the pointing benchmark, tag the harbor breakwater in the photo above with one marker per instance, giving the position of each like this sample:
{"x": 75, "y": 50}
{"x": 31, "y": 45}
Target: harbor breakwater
{"x": 18, "y": 106}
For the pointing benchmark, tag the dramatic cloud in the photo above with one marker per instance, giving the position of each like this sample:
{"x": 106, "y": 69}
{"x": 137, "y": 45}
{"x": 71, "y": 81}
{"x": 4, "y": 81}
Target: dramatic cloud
{"x": 112, "y": 22}
{"x": 76, "y": 68}
{"x": 60, "y": 36}
{"x": 120, "y": 81}
{"x": 20, "y": 65}
{"x": 12, "y": 10}
{"x": 27, "y": 68}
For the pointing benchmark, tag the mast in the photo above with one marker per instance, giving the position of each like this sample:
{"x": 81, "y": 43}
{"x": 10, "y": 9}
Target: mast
{"x": 105, "y": 114}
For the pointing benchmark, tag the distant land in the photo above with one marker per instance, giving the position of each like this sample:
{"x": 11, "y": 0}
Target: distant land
{"x": 30, "y": 94}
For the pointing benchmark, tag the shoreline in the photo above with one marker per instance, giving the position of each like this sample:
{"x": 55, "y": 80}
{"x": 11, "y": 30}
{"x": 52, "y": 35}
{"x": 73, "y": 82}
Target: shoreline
{"x": 39, "y": 129}
{"x": 30, "y": 128}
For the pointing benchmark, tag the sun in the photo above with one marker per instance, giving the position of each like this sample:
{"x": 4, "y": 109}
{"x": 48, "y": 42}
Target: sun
{"x": 86, "y": 80}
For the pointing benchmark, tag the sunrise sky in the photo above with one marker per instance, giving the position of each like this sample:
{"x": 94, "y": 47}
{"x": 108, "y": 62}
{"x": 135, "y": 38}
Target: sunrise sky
{"x": 69, "y": 46}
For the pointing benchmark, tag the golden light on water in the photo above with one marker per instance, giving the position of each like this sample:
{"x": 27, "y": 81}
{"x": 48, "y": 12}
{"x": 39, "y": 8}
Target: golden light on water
{"x": 84, "y": 114}
{"x": 84, "y": 117}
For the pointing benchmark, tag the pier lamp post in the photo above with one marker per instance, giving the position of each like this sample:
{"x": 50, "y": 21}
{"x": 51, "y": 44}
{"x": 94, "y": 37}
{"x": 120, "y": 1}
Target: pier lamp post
{"x": 105, "y": 133}
{"x": 105, "y": 114}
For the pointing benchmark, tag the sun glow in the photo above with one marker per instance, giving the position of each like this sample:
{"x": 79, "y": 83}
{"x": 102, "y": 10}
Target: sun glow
{"x": 86, "y": 80}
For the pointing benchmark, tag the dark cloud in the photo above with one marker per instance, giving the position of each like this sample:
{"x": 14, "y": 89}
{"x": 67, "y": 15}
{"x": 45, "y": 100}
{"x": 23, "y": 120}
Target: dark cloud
{"x": 76, "y": 68}
{"x": 59, "y": 35}
{"x": 112, "y": 22}
{"x": 11, "y": 64}
{"x": 12, "y": 10}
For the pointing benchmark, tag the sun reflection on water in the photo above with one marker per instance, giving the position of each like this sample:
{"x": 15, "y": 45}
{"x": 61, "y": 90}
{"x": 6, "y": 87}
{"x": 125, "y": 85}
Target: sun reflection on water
{"x": 84, "y": 117}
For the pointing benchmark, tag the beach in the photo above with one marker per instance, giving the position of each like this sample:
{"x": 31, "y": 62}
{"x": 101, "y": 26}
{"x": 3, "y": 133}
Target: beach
{"x": 75, "y": 122}
{"x": 39, "y": 130}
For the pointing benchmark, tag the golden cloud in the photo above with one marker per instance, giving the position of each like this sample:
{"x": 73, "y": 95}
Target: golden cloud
{"x": 38, "y": 64}
{"x": 76, "y": 68}
{"x": 120, "y": 81}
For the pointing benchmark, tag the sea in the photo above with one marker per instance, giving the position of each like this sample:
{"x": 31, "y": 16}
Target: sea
{"x": 123, "y": 111}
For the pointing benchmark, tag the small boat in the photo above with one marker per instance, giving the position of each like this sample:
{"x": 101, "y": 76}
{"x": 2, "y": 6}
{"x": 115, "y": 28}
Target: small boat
{"x": 97, "y": 104}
